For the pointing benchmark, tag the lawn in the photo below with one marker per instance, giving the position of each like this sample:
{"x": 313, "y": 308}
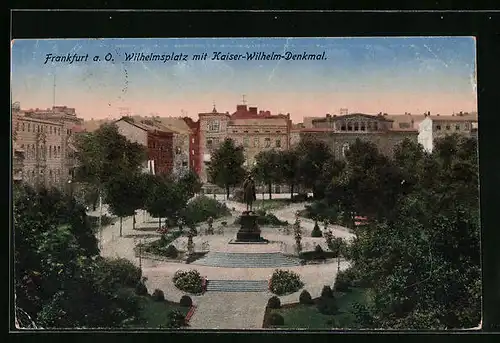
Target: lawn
{"x": 298, "y": 316}
{"x": 155, "y": 312}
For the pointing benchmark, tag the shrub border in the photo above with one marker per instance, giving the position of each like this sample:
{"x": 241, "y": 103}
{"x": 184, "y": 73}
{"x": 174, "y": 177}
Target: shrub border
{"x": 190, "y": 314}
{"x": 268, "y": 311}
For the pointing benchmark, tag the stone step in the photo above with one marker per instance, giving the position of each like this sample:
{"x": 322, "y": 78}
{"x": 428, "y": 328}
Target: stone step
{"x": 237, "y": 286}
{"x": 247, "y": 260}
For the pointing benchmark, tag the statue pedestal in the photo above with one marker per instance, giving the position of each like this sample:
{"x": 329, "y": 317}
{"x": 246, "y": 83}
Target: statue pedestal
{"x": 249, "y": 231}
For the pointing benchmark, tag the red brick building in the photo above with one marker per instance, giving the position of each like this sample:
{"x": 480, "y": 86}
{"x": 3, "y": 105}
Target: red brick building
{"x": 194, "y": 145}
{"x": 157, "y": 139}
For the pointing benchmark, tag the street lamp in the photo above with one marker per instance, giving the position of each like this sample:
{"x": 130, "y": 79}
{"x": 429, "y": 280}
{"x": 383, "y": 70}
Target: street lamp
{"x": 70, "y": 186}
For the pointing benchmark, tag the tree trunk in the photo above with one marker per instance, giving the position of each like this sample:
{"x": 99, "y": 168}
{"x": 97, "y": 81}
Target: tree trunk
{"x": 227, "y": 192}
{"x": 291, "y": 190}
{"x": 121, "y": 221}
{"x": 159, "y": 223}
{"x": 270, "y": 190}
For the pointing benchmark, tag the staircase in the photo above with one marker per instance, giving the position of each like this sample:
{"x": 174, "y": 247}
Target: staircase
{"x": 247, "y": 260}
{"x": 237, "y": 286}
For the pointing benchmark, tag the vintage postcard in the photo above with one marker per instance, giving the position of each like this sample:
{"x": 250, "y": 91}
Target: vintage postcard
{"x": 251, "y": 183}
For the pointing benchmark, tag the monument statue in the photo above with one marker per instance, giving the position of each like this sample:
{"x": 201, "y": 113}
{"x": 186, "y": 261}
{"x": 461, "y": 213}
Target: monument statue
{"x": 249, "y": 232}
{"x": 249, "y": 194}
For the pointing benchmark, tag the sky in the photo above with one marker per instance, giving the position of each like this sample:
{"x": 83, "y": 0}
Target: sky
{"x": 369, "y": 75}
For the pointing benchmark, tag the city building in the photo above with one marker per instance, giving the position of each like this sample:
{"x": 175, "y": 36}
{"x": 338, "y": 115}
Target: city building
{"x": 70, "y": 122}
{"x": 437, "y": 126}
{"x": 255, "y": 130}
{"x": 156, "y": 138}
{"x": 194, "y": 145}
{"x": 41, "y": 143}
{"x": 341, "y": 131}
{"x": 181, "y": 139}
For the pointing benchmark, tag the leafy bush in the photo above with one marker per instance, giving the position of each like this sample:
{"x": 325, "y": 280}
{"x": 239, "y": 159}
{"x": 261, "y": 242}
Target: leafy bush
{"x": 264, "y": 218}
{"x": 305, "y": 298}
{"x": 158, "y": 295}
{"x": 327, "y": 292}
{"x": 171, "y": 252}
{"x": 316, "y": 232}
{"x": 285, "y": 281}
{"x": 362, "y": 315}
{"x": 274, "y": 302}
{"x": 201, "y": 208}
{"x": 301, "y": 197}
{"x": 141, "y": 289}
{"x": 118, "y": 272}
{"x": 322, "y": 210}
{"x": 342, "y": 282}
{"x": 163, "y": 245}
{"x": 327, "y": 306}
{"x": 186, "y": 301}
{"x": 275, "y": 319}
{"x": 176, "y": 320}
{"x": 188, "y": 281}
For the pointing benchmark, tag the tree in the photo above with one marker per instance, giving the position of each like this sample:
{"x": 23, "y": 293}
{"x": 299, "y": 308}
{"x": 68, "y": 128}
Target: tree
{"x": 226, "y": 165}
{"x": 313, "y": 154}
{"x": 266, "y": 169}
{"x": 288, "y": 160}
{"x": 190, "y": 183}
{"x": 104, "y": 153}
{"x": 125, "y": 194}
{"x": 55, "y": 259}
{"x": 422, "y": 264}
{"x": 166, "y": 198}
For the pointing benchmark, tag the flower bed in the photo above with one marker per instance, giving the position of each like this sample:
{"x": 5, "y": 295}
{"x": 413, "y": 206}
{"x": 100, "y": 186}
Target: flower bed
{"x": 189, "y": 281}
{"x": 284, "y": 282}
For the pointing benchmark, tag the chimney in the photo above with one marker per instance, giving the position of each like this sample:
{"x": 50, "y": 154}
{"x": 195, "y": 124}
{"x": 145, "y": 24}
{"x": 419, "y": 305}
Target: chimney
{"x": 252, "y": 110}
{"x": 429, "y": 113}
{"x": 241, "y": 108}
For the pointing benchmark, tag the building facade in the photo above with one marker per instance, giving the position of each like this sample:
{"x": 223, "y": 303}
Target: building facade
{"x": 437, "y": 126}
{"x": 158, "y": 142}
{"x": 71, "y": 123}
{"x": 340, "y": 132}
{"x": 42, "y": 145}
{"x": 255, "y": 130}
{"x": 194, "y": 145}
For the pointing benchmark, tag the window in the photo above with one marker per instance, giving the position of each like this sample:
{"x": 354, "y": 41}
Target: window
{"x": 245, "y": 141}
{"x": 375, "y": 126}
{"x": 192, "y": 140}
{"x": 178, "y": 150}
{"x": 438, "y": 127}
{"x": 448, "y": 127}
{"x": 457, "y": 127}
{"x": 209, "y": 143}
{"x": 29, "y": 127}
{"x": 466, "y": 126}
{"x": 50, "y": 151}
{"x": 349, "y": 126}
{"x": 278, "y": 131}
{"x": 184, "y": 163}
{"x": 50, "y": 130}
{"x": 256, "y": 131}
{"x": 256, "y": 142}
{"x": 267, "y": 142}
{"x": 59, "y": 131}
{"x": 213, "y": 126}
{"x": 59, "y": 151}
{"x": 356, "y": 127}
{"x": 235, "y": 131}
{"x": 278, "y": 143}
{"x": 23, "y": 126}
{"x": 192, "y": 151}
{"x": 363, "y": 127}
{"x": 343, "y": 127}
{"x": 37, "y": 128}
{"x": 17, "y": 126}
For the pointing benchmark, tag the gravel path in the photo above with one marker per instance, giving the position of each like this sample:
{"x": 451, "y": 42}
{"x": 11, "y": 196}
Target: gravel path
{"x": 217, "y": 310}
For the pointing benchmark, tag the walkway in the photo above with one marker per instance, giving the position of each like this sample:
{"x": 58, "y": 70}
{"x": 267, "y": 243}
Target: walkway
{"x": 221, "y": 310}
